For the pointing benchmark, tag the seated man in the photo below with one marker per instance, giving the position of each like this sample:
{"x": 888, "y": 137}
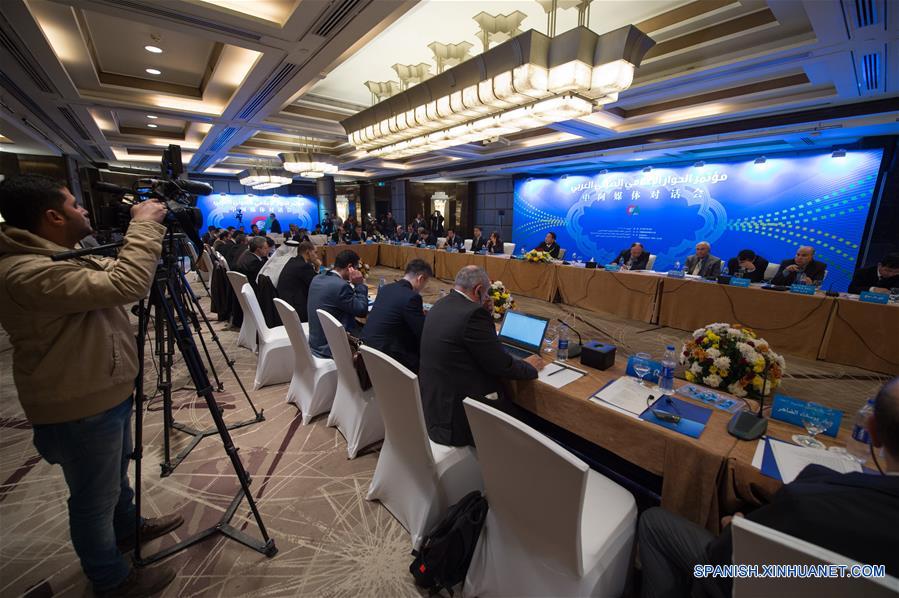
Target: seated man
{"x": 296, "y": 277}
{"x": 478, "y": 242}
{"x": 748, "y": 264}
{"x": 453, "y": 241}
{"x": 880, "y": 278}
{"x": 346, "y": 302}
{"x": 549, "y": 245}
{"x": 395, "y": 322}
{"x": 703, "y": 263}
{"x": 425, "y": 238}
{"x": 339, "y": 236}
{"x": 801, "y": 269}
{"x": 464, "y": 358}
{"x": 399, "y": 235}
{"x": 412, "y": 235}
{"x": 633, "y": 258}
{"x": 357, "y": 235}
{"x": 853, "y": 514}
{"x": 250, "y": 263}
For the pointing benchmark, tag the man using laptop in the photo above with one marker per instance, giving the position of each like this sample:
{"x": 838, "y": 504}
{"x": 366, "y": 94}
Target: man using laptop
{"x": 464, "y": 358}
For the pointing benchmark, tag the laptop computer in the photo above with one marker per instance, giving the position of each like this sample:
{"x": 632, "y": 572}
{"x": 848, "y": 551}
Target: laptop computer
{"x": 522, "y": 334}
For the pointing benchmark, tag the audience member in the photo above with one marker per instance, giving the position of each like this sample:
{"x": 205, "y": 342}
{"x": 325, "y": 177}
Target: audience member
{"x": 633, "y": 258}
{"x": 399, "y": 235}
{"x": 801, "y": 269}
{"x": 346, "y": 302}
{"x": 549, "y": 245}
{"x": 880, "y": 278}
{"x": 293, "y": 283}
{"x": 250, "y": 263}
{"x": 703, "y": 263}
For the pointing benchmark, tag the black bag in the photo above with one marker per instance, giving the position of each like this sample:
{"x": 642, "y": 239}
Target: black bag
{"x": 445, "y": 553}
{"x": 358, "y": 362}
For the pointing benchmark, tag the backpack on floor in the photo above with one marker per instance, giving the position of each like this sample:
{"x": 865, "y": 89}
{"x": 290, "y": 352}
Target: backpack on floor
{"x": 445, "y": 553}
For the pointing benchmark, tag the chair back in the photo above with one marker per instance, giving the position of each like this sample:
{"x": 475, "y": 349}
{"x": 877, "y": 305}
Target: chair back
{"x": 534, "y": 487}
{"x": 441, "y": 241}
{"x": 237, "y": 281}
{"x": 254, "y": 312}
{"x": 304, "y": 362}
{"x": 399, "y": 400}
{"x": 770, "y": 271}
{"x": 509, "y": 248}
{"x": 651, "y": 262}
{"x": 340, "y": 352}
{"x": 318, "y": 239}
{"x": 561, "y": 253}
{"x": 467, "y": 244}
{"x": 755, "y": 544}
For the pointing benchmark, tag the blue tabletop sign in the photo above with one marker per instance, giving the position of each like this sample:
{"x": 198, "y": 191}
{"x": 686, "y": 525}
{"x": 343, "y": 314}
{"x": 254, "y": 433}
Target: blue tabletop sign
{"x": 869, "y": 297}
{"x": 612, "y": 267}
{"x": 802, "y": 289}
{"x": 675, "y": 273}
{"x": 787, "y": 409}
{"x": 739, "y": 282}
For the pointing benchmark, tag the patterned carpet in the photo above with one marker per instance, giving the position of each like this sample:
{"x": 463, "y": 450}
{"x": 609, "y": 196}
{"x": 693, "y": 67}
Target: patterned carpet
{"x": 331, "y": 541}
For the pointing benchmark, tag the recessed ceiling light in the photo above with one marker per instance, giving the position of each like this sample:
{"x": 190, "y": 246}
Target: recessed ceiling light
{"x": 154, "y": 71}
{"x": 153, "y": 49}
{"x": 152, "y": 117}
{"x": 151, "y": 125}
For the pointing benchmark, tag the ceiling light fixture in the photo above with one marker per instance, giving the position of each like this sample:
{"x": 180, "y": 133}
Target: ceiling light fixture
{"x": 152, "y": 117}
{"x": 309, "y": 163}
{"x": 838, "y": 153}
{"x": 153, "y": 49}
{"x": 263, "y": 178}
{"x": 527, "y": 82}
{"x": 151, "y": 125}
{"x": 153, "y": 71}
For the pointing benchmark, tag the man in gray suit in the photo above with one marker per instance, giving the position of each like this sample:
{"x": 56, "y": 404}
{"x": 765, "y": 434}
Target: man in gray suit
{"x": 703, "y": 263}
{"x": 341, "y": 292}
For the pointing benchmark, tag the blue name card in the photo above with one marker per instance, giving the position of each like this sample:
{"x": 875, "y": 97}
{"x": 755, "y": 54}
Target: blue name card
{"x": 869, "y": 297}
{"x": 675, "y": 273}
{"x": 787, "y": 409}
{"x": 368, "y": 241}
{"x": 612, "y": 267}
{"x": 802, "y": 289}
{"x": 739, "y": 282}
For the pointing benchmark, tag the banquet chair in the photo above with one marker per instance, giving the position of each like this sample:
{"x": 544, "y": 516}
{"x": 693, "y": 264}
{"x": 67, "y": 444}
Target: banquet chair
{"x": 416, "y": 479}
{"x": 318, "y": 239}
{"x": 274, "y": 363}
{"x": 205, "y": 261}
{"x": 354, "y": 411}
{"x": 509, "y": 248}
{"x": 441, "y": 241}
{"x": 247, "y": 336}
{"x": 755, "y": 544}
{"x": 651, "y": 261}
{"x": 467, "y": 244}
{"x": 314, "y": 378}
{"x": 555, "y": 527}
{"x": 770, "y": 271}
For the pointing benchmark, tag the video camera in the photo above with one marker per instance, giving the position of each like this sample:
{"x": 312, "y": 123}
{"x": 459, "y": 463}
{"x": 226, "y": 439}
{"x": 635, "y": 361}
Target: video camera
{"x": 178, "y": 195}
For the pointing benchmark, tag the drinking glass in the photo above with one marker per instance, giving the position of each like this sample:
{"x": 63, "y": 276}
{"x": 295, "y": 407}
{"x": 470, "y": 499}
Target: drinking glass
{"x": 894, "y": 295}
{"x": 642, "y": 367}
{"x": 549, "y": 340}
{"x": 815, "y": 418}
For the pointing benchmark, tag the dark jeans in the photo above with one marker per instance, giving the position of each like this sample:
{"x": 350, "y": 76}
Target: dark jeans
{"x": 669, "y": 547}
{"x": 94, "y": 454}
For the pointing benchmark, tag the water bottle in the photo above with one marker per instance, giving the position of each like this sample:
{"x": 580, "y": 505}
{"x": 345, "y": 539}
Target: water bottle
{"x": 859, "y": 444}
{"x": 677, "y": 265}
{"x": 562, "y": 352}
{"x": 666, "y": 376}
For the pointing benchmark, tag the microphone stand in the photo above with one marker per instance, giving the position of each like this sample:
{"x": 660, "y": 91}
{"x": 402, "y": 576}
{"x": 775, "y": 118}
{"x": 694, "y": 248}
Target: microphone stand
{"x": 573, "y": 350}
{"x": 747, "y": 425}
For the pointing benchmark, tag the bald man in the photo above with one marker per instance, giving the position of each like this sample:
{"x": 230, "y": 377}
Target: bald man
{"x": 801, "y": 269}
{"x": 703, "y": 263}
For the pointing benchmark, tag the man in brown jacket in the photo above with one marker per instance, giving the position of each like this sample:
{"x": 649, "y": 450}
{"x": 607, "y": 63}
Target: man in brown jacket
{"x": 74, "y": 365}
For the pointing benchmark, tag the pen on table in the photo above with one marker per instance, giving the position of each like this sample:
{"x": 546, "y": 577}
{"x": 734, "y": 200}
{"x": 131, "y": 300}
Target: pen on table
{"x": 561, "y": 369}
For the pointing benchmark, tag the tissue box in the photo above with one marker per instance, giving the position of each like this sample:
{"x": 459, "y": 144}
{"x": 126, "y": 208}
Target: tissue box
{"x": 598, "y": 355}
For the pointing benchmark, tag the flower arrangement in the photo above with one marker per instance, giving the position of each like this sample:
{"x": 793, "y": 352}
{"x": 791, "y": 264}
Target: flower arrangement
{"x": 732, "y": 358}
{"x": 538, "y": 257}
{"x": 502, "y": 299}
{"x": 364, "y": 268}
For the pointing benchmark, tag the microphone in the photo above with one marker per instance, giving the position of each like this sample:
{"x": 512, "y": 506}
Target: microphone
{"x": 110, "y": 188}
{"x": 573, "y": 350}
{"x": 194, "y": 187}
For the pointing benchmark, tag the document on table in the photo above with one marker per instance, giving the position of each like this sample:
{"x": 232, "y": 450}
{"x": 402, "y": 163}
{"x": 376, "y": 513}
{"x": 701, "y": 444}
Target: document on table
{"x": 557, "y": 375}
{"x": 624, "y": 394}
{"x": 792, "y": 459}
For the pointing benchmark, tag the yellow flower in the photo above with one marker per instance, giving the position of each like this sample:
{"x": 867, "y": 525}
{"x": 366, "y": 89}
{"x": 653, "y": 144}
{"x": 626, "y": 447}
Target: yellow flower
{"x": 757, "y": 382}
{"x": 713, "y": 370}
{"x": 758, "y": 366}
{"x": 689, "y": 376}
{"x": 712, "y": 336}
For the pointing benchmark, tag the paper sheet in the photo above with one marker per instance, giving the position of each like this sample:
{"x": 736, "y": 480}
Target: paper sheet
{"x": 792, "y": 459}
{"x": 624, "y": 394}
{"x": 549, "y": 375}
{"x": 759, "y": 453}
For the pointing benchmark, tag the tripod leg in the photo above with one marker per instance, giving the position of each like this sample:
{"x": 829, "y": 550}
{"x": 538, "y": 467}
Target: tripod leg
{"x": 165, "y": 352}
{"x": 190, "y": 305}
{"x": 143, "y": 317}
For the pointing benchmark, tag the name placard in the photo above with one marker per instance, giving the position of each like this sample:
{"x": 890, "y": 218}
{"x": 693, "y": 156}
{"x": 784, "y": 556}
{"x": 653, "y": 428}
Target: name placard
{"x": 612, "y": 267}
{"x": 675, "y": 273}
{"x": 739, "y": 282}
{"x": 802, "y": 289}
{"x": 787, "y": 409}
{"x": 869, "y": 297}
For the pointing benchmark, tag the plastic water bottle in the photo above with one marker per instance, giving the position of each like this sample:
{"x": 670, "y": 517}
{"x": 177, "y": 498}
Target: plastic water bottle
{"x": 562, "y": 352}
{"x": 666, "y": 376}
{"x": 677, "y": 265}
{"x": 859, "y": 444}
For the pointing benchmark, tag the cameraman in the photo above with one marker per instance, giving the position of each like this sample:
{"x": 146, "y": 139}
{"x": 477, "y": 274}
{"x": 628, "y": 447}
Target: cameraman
{"x": 80, "y": 408}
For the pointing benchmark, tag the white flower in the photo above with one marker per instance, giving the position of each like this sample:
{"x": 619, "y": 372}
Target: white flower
{"x": 712, "y": 380}
{"x": 696, "y": 368}
{"x": 699, "y": 333}
{"x": 497, "y": 283}
{"x": 722, "y": 363}
{"x": 713, "y": 353}
{"x": 737, "y": 390}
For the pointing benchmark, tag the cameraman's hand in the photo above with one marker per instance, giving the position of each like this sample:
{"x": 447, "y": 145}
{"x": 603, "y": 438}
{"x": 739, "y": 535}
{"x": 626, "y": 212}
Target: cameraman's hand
{"x": 148, "y": 210}
{"x": 356, "y": 276}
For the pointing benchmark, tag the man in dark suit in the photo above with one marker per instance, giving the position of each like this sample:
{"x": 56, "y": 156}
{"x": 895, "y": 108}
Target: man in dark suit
{"x": 274, "y": 226}
{"x": 250, "y": 263}
{"x": 453, "y": 241}
{"x": 389, "y": 224}
{"x": 346, "y": 302}
{"x": 232, "y": 253}
{"x": 801, "y": 269}
{"x": 399, "y": 235}
{"x": 634, "y": 257}
{"x": 549, "y": 245}
{"x": 478, "y": 242}
{"x": 397, "y": 318}
{"x": 412, "y": 235}
{"x": 749, "y": 265}
{"x": 853, "y": 514}
{"x": 464, "y": 358}
{"x": 425, "y": 238}
{"x": 357, "y": 235}
{"x": 882, "y": 277}
{"x": 703, "y": 263}
{"x": 296, "y": 277}
{"x": 339, "y": 236}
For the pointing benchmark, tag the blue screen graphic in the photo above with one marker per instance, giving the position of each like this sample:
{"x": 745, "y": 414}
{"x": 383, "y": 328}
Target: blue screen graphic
{"x": 771, "y": 208}
{"x": 220, "y": 209}
{"x": 523, "y": 329}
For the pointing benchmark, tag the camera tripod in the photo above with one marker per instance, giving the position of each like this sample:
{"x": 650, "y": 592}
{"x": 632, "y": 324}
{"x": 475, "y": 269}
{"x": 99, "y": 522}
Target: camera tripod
{"x": 173, "y": 321}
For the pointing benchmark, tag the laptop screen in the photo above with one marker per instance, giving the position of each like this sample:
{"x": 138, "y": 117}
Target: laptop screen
{"x": 523, "y": 330}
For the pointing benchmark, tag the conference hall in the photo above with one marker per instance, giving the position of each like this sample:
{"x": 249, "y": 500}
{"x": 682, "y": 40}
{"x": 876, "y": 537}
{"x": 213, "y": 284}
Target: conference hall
{"x": 467, "y": 298}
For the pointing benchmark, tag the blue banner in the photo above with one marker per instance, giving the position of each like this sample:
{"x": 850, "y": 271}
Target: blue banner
{"x": 771, "y": 208}
{"x": 221, "y": 209}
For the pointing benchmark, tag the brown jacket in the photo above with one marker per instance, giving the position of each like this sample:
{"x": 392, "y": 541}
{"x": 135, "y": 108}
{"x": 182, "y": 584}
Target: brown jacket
{"x": 74, "y": 351}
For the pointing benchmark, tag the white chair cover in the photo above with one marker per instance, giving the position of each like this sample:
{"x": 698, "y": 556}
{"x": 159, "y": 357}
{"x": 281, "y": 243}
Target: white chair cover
{"x": 651, "y": 262}
{"x": 247, "y": 336}
{"x": 755, "y": 544}
{"x": 221, "y": 259}
{"x": 467, "y": 244}
{"x": 204, "y": 266}
{"x": 416, "y": 479}
{"x": 273, "y": 265}
{"x": 441, "y": 241}
{"x": 318, "y": 239}
{"x": 314, "y": 378}
{"x": 509, "y": 248}
{"x": 274, "y": 363}
{"x": 770, "y": 271}
{"x": 354, "y": 411}
{"x": 555, "y": 527}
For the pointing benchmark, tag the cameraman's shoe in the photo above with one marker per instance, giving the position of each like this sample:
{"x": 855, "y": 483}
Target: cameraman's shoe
{"x": 140, "y": 583}
{"x": 151, "y": 529}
